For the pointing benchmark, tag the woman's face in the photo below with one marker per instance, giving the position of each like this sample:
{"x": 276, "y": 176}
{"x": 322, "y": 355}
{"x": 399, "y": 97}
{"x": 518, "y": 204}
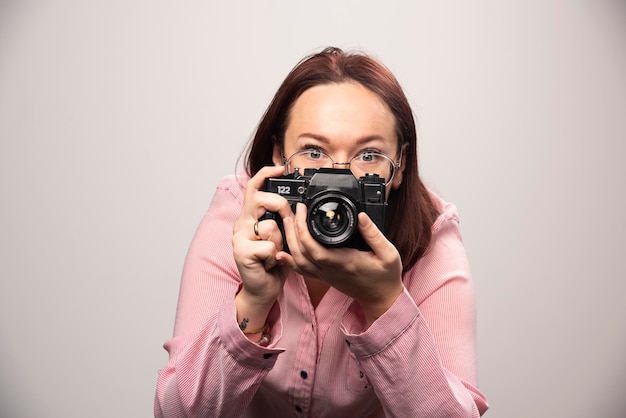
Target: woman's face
{"x": 341, "y": 121}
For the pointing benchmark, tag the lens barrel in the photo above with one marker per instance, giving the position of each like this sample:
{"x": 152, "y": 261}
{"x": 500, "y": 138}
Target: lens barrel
{"x": 332, "y": 219}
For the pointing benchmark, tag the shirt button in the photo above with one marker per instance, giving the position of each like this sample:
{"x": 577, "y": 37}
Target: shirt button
{"x": 304, "y": 374}
{"x": 298, "y": 408}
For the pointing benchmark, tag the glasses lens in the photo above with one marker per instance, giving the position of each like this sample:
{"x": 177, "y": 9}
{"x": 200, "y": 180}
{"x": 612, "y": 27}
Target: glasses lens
{"x": 366, "y": 162}
{"x": 373, "y": 162}
{"x": 308, "y": 158}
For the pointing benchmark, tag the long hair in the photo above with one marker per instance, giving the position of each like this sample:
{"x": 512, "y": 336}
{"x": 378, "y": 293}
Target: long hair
{"x": 411, "y": 212}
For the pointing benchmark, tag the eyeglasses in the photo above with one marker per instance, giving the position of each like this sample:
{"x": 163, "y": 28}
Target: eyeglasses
{"x": 365, "y": 162}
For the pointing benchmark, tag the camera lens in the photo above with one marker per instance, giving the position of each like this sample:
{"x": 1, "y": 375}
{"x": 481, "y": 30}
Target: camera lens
{"x": 332, "y": 219}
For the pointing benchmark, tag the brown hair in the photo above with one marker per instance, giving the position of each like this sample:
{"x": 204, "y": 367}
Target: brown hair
{"x": 411, "y": 212}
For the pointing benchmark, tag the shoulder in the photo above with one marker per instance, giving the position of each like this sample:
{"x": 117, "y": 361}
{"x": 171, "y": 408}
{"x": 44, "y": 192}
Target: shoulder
{"x": 445, "y": 260}
{"x": 233, "y": 186}
{"x": 228, "y": 196}
{"x": 448, "y": 213}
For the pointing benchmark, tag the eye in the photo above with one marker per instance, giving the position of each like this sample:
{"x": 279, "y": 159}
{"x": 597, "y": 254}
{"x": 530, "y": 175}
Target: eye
{"x": 313, "y": 153}
{"x": 369, "y": 156}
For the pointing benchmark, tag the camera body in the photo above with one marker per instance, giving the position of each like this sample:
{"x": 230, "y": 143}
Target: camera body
{"x": 334, "y": 197}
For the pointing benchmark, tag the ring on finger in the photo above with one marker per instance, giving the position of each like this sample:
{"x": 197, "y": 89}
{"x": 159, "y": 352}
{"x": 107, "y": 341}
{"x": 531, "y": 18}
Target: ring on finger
{"x": 256, "y": 230}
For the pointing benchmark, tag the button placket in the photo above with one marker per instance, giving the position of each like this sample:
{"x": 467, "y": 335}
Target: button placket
{"x": 304, "y": 365}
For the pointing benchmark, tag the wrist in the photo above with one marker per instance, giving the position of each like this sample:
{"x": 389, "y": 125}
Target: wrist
{"x": 260, "y": 336}
{"x": 243, "y": 326}
{"x": 255, "y": 300}
{"x": 251, "y": 313}
{"x": 376, "y": 307}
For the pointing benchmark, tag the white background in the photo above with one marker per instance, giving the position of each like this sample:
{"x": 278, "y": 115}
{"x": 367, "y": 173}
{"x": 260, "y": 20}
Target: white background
{"x": 117, "y": 119}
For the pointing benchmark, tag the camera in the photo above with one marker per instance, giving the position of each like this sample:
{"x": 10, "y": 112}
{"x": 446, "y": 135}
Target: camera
{"x": 333, "y": 197}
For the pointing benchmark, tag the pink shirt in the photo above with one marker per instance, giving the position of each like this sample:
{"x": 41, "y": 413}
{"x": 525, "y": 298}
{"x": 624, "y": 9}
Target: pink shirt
{"x": 416, "y": 360}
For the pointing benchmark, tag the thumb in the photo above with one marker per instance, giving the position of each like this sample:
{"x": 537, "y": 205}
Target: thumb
{"x": 371, "y": 234}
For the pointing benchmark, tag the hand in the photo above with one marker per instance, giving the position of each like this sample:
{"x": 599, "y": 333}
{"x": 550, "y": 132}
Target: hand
{"x": 259, "y": 260}
{"x": 373, "y": 278}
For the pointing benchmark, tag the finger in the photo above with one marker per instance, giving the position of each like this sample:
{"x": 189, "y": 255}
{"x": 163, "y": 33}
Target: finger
{"x": 257, "y": 181}
{"x": 301, "y": 230}
{"x": 309, "y": 249}
{"x": 289, "y": 260}
{"x": 291, "y": 235}
{"x": 268, "y": 231}
{"x": 285, "y": 259}
{"x": 373, "y": 236}
{"x": 265, "y": 202}
{"x": 270, "y": 262}
{"x": 248, "y": 254}
{"x": 295, "y": 257}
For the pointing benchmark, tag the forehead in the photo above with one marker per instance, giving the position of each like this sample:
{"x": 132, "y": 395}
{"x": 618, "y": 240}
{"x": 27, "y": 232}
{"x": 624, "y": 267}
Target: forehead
{"x": 341, "y": 111}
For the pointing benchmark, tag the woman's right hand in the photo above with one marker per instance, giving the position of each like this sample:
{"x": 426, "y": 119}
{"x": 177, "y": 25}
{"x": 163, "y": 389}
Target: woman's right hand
{"x": 259, "y": 260}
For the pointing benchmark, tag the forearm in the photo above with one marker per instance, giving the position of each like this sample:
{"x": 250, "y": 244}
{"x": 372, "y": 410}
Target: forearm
{"x": 214, "y": 373}
{"x": 419, "y": 386}
{"x": 401, "y": 361}
{"x": 374, "y": 308}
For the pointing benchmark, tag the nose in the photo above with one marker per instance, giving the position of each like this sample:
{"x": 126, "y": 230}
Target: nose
{"x": 342, "y": 160}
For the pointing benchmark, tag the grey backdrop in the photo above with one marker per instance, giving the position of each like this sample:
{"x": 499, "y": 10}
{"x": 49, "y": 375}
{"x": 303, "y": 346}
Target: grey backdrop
{"x": 117, "y": 119}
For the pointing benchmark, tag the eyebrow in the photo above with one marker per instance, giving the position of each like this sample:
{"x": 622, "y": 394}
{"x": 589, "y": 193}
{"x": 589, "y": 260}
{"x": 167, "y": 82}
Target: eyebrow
{"x": 326, "y": 140}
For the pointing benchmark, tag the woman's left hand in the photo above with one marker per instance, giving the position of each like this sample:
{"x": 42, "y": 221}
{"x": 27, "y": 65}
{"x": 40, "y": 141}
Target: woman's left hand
{"x": 373, "y": 278}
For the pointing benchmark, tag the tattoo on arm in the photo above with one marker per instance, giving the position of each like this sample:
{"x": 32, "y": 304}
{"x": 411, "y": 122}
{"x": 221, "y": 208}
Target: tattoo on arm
{"x": 244, "y": 324}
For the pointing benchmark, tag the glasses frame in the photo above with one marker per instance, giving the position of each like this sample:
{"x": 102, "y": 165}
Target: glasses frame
{"x": 395, "y": 164}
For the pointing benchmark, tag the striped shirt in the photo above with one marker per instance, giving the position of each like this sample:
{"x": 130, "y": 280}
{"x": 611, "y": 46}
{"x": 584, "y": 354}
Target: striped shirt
{"x": 417, "y": 360}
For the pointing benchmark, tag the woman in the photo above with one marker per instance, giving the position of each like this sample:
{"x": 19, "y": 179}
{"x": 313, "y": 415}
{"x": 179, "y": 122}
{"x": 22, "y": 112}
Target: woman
{"x": 313, "y": 330}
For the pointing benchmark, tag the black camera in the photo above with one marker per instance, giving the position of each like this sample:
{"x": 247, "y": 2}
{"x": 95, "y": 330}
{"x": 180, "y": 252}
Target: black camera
{"x": 333, "y": 197}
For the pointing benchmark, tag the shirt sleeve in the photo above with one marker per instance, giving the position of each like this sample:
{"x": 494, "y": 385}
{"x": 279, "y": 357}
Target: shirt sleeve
{"x": 420, "y": 356}
{"x": 213, "y": 369}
